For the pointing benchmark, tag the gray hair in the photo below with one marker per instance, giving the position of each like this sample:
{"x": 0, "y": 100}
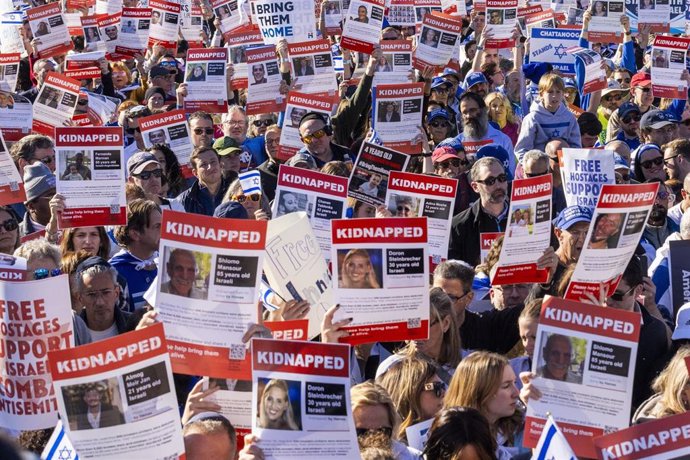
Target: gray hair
{"x": 39, "y": 249}
{"x": 685, "y": 222}
{"x": 93, "y": 271}
{"x": 483, "y": 162}
{"x": 536, "y": 156}
{"x": 234, "y": 109}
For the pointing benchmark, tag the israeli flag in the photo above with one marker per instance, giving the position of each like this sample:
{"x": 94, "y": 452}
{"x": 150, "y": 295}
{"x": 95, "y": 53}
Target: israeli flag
{"x": 14, "y": 17}
{"x": 266, "y": 291}
{"x": 552, "y": 444}
{"x": 59, "y": 446}
{"x": 250, "y": 182}
{"x": 373, "y": 137}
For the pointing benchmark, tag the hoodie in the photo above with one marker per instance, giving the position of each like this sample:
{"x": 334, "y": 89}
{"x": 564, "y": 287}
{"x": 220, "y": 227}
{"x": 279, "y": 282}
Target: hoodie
{"x": 541, "y": 126}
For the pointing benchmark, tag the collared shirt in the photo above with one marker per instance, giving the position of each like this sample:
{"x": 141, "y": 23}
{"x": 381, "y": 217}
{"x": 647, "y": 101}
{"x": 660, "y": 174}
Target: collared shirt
{"x": 94, "y": 420}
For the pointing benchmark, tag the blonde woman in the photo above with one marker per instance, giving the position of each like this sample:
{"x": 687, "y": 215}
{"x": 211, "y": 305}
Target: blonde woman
{"x": 671, "y": 388}
{"x": 486, "y": 382}
{"x": 275, "y": 411}
{"x": 256, "y": 204}
{"x": 415, "y": 389}
{"x": 357, "y": 272}
{"x": 501, "y": 113}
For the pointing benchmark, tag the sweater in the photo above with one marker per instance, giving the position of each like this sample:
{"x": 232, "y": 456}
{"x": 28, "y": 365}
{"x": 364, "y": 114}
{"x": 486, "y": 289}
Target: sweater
{"x": 541, "y": 126}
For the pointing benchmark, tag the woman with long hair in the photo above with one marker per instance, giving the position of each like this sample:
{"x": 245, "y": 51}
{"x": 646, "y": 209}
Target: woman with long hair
{"x": 357, "y": 271}
{"x": 173, "y": 183}
{"x": 93, "y": 240}
{"x": 256, "y": 204}
{"x": 486, "y": 382}
{"x": 501, "y": 113}
{"x": 275, "y": 410}
{"x": 671, "y": 388}
{"x": 458, "y": 433}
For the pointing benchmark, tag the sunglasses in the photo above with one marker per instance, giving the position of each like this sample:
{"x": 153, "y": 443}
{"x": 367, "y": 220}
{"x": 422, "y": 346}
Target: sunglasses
{"x": 43, "y": 273}
{"x": 10, "y": 225}
{"x": 632, "y": 118}
{"x": 315, "y": 135}
{"x": 146, "y": 175}
{"x": 455, "y": 162}
{"x": 664, "y": 195}
{"x": 658, "y": 161}
{"x": 264, "y": 123}
{"x": 439, "y": 388}
{"x": 618, "y": 296}
{"x": 207, "y": 131}
{"x": 616, "y": 97}
{"x": 242, "y": 198}
{"x": 439, "y": 124}
{"x": 644, "y": 90}
{"x": 492, "y": 180}
{"x": 625, "y": 177}
{"x": 536, "y": 174}
{"x": 386, "y": 430}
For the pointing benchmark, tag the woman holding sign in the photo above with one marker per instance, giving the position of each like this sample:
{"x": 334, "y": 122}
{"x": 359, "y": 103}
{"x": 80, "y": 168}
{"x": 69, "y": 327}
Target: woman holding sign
{"x": 275, "y": 410}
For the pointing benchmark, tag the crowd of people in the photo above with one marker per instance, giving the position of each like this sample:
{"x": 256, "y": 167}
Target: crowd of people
{"x": 473, "y": 374}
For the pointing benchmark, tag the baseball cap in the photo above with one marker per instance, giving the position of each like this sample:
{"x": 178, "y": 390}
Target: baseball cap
{"x": 627, "y": 108}
{"x": 572, "y": 215}
{"x": 154, "y": 90}
{"x": 437, "y": 82}
{"x": 452, "y": 142}
{"x": 682, "y": 330}
{"x": 569, "y": 83}
{"x": 443, "y": 153}
{"x": 473, "y": 78}
{"x": 498, "y": 152}
{"x": 656, "y": 119}
{"x": 450, "y": 72}
{"x": 230, "y": 210}
{"x": 613, "y": 87}
{"x": 302, "y": 158}
{"x": 438, "y": 113}
{"x": 139, "y": 161}
{"x": 226, "y": 146}
{"x": 641, "y": 79}
{"x": 38, "y": 180}
{"x": 619, "y": 162}
{"x": 159, "y": 71}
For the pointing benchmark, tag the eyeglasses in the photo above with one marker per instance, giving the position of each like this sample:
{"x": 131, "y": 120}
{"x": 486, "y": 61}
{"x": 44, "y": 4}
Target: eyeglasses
{"x": 439, "y": 388}
{"x": 404, "y": 208}
{"x": 93, "y": 295}
{"x": 318, "y": 134}
{"x": 10, "y": 225}
{"x": 536, "y": 174}
{"x": 455, "y": 162}
{"x": 234, "y": 122}
{"x": 658, "y": 161}
{"x": 632, "y": 118}
{"x": 623, "y": 81}
{"x": 618, "y": 296}
{"x": 665, "y": 195}
{"x": 146, "y": 175}
{"x": 264, "y": 123}
{"x": 625, "y": 177}
{"x": 207, "y": 131}
{"x": 644, "y": 90}
{"x": 242, "y": 198}
{"x": 615, "y": 97}
{"x": 512, "y": 287}
{"x": 439, "y": 124}
{"x": 386, "y": 430}
{"x": 502, "y": 178}
{"x": 43, "y": 273}
{"x": 47, "y": 160}
{"x": 454, "y": 298}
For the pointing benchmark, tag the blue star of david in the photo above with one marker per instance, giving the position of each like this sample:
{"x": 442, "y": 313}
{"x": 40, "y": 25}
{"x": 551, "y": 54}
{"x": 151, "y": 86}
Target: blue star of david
{"x": 555, "y": 133}
{"x": 65, "y": 454}
{"x": 559, "y": 51}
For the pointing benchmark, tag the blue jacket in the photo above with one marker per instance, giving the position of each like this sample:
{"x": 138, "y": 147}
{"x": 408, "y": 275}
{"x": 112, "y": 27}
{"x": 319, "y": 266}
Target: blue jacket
{"x": 197, "y": 200}
{"x": 138, "y": 278}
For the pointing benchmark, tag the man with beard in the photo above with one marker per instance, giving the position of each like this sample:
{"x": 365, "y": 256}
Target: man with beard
{"x": 558, "y": 356}
{"x": 607, "y": 230}
{"x": 487, "y": 214}
{"x": 477, "y": 131}
{"x": 677, "y": 159}
{"x": 659, "y": 226}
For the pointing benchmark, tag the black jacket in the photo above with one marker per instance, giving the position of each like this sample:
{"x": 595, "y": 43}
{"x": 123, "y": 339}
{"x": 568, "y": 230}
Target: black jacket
{"x": 198, "y": 201}
{"x": 652, "y": 356}
{"x": 493, "y": 330}
{"x": 465, "y": 230}
{"x": 121, "y": 320}
{"x": 269, "y": 178}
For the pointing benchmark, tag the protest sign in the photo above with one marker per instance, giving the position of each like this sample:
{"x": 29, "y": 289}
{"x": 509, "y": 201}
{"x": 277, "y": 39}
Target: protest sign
{"x": 666, "y": 437}
{"x": 191, "y": 23}
{"x": 16, "y": 116}
{"x": 395, "y": 66}
{"x": 116, "y": 397}
{"x": 575, "y": 17}
{"x": 369, "y": 179}
{"x": 92, "y": 36}
{"x": 583, "y": 173}
{"x": 595, "y": 76}
{"x": 395, "y": 109}
{"x": 294, "y": 264}
{"x": 238, "y": 42}
{"x": 417, "y": 195}
{"x": 438, "y": 38}
{"x": 10, "y": 40}
{"x": 550, "y": 45}
{"x": 135, "y": 25}
{"x": 11, "y": 184}
{"x": 109, "y": 6}
{"x": 312, "y": 67}
{"x": 668, "y": 63}
{"x": 544, "y": 19}
{"x": 526, "y": 10}
{"x": 655, "y": 14}
{"x": 90, "y": 174}
{"x": 424, "y": 7}
{"x": 679, "y": 274}
{"x": 263, "y": 95}
{"x": 381, "y": 278}
{"x": 36, "y": 318}
{"x": 333, "y": 17}
{"x": 418, "y": 433}
{"x": 9, "y": 70}
{"x": 363, "y": 25}
{"x": 55, "y": 103}
{"x": 235, "y": 400}
{"x": 298, "y": 105}
{"x": 501, "y": 17}
{"x": 207, "y": 290}
{"x": 207, "y": 85}
{"x": 528, "y": 233}
{"x": 321, "y": 196}
{"x": 602, "y": 345}
{"x": 109, "y": 28}
{"x": 617, "y": 225}
{"x": 229, "y": 15}
{"x": 314, "y": 379}
{"x": 164, "y": 24}
{"x": 401, "y": 13}
{"x": 454, "y": 7}
{"x": 169, "y": 128}
{"x": 292, "y": 20}
{"x": 73, "y": 21}
{"x": 49, "y": 29}
{"x": 605, "y": 25}
{"x": 486, "y": 240}
{"x": 294, "y": 329}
